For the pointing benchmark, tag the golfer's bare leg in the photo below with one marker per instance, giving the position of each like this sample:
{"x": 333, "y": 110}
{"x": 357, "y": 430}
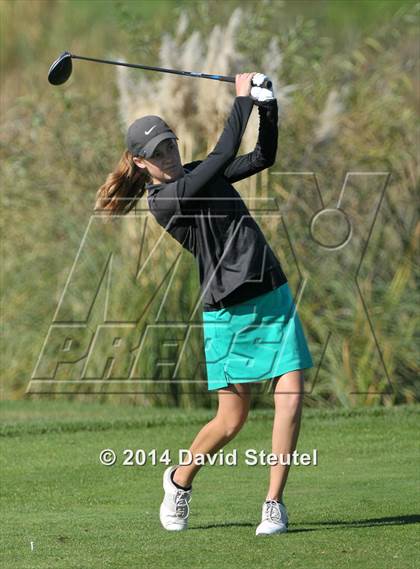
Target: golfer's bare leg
{"x": 288, "y": 399}
{"x": 232, "y": 412}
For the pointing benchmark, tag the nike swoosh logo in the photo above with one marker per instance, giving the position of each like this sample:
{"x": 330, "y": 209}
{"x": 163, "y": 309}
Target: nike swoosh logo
{"x": 150, "y": 130}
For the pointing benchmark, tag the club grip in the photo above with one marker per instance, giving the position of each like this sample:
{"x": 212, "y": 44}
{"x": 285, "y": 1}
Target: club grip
{"x": 266, "y": 84}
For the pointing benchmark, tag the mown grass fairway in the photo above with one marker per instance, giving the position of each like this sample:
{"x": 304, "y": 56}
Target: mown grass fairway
{"x": 357, "y": 508}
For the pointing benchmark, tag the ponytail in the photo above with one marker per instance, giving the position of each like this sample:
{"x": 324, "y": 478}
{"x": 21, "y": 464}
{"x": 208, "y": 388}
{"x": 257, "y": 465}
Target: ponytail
{"x": 122, "y": 187}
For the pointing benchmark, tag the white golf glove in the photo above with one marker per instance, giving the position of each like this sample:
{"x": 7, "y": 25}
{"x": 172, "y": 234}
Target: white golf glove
{"x": 258, "y": 93}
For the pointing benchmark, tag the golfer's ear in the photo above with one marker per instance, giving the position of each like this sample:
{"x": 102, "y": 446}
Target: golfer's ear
{"x": 139, "y": 162}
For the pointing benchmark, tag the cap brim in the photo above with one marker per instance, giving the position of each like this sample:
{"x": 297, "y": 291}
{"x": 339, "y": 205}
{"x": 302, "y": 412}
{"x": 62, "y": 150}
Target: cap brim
{"x": 151, "y": 145}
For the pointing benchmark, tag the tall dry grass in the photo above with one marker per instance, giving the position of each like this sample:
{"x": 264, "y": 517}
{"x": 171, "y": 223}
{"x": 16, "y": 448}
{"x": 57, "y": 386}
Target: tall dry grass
{"x": 349, "y": 109}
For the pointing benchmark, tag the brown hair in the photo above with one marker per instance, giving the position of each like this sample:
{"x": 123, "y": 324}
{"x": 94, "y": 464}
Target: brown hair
{"x": 122, "y": 188}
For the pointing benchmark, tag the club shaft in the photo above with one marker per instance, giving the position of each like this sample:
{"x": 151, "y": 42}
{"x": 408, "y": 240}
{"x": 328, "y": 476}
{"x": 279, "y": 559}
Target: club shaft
{"x": 228, "y": 78}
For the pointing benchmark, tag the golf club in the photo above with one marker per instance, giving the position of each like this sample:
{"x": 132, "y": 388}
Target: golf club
{"x": 62, "y": 67}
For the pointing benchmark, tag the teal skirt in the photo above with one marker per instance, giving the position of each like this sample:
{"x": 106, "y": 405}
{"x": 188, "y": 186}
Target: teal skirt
{"x": 255, "y": 340}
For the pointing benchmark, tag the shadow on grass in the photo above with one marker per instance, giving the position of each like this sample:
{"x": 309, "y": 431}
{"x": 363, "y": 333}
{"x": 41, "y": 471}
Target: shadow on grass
{"x": 335, "y": 524}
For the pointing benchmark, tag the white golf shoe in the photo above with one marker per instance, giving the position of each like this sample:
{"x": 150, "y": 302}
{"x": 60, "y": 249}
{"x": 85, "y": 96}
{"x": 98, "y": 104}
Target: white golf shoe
{"x": 274, "y": 518}
{"x": 174, "y": 510}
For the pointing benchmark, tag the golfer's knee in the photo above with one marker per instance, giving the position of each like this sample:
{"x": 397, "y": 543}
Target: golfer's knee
{"x": 230, "y": 426}
{"x": 289, "y": 404}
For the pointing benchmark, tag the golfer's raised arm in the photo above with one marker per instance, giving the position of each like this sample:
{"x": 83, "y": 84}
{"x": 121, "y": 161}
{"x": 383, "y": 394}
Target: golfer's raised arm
{"x": 223, "y": 153}
{"x": 264, "y": 154}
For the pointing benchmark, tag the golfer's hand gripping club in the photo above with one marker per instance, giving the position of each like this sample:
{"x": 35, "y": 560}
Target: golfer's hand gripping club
{"x": 260, "y": 91}
{"x": 243, "y": 84}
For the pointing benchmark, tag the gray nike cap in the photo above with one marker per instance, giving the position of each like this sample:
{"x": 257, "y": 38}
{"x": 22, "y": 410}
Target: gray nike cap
{"x": 144, "y": 135}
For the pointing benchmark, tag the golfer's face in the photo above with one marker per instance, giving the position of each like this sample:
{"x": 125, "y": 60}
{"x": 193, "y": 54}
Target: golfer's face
{"x": 165, "y": 163}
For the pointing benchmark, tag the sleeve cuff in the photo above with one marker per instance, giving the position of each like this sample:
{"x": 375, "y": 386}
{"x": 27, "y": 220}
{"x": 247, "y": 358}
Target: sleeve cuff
{"x": 244, "y": 97}
{"x": 266, "y": 104}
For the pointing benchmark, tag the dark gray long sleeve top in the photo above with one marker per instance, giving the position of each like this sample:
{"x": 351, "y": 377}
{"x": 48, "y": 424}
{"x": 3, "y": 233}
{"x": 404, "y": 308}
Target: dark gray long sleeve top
{"x": 207, "y": 216}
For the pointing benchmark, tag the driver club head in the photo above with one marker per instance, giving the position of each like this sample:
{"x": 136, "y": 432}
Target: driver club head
{"x": 60, "y": 69}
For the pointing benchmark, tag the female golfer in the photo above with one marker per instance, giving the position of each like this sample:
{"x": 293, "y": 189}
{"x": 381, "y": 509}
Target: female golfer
{"x": 252, "y": 330}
